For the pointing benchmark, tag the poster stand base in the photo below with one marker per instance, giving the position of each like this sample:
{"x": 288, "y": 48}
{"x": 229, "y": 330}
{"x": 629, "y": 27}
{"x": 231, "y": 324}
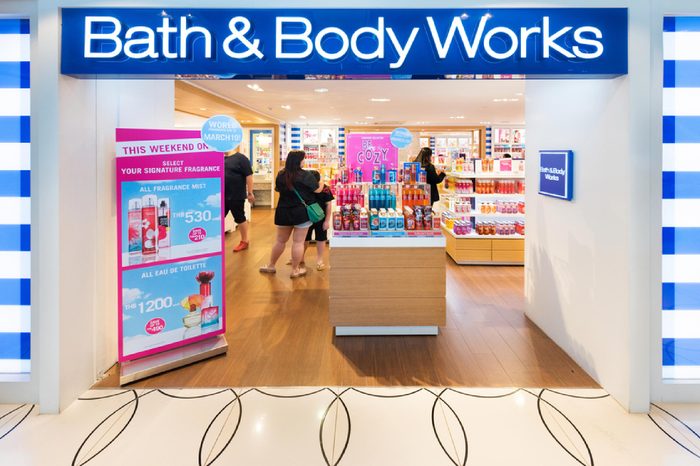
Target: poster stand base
{"x": 131, "y": 371}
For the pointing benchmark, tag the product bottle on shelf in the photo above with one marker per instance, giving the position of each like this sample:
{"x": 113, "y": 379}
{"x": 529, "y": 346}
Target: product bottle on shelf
{"x": 163, "y": 224}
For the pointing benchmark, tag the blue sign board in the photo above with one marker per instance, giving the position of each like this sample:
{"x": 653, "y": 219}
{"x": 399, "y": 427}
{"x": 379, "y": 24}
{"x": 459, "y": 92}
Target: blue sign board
{"x": 557, "y": 173}
{"x": 415, "y": 43}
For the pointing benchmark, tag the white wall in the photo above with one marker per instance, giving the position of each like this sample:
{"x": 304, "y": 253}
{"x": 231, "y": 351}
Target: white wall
{"x": 577, "y": 259}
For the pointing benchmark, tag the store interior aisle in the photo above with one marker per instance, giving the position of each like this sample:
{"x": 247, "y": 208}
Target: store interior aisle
{"x": 279, "y": 335}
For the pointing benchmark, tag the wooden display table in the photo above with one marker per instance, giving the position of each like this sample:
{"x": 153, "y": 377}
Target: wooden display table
{"x": 387, "y": 286}
{"x": 487, "y": 250}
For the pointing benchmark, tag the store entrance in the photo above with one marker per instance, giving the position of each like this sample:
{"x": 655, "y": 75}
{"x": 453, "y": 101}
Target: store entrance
{"x": 279, "y": 333}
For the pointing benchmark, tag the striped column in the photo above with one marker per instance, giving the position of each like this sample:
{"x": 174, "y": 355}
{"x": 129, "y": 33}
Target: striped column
{"x": 295, "y": 142}
{"x": 489, "y": 142}
{"x": 341, "y": 146}
{"x": 432, "y": 143}
{"x": 681, "y": 199}
{"x": 283, "y": 140}
{"x": 15, "y": 209}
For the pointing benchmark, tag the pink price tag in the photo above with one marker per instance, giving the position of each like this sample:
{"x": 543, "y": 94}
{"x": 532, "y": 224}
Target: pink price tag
{"x": 155, "y": 326}
{"x": 197, "y": 234}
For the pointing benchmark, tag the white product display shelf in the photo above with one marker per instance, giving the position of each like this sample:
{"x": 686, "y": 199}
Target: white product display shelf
{"x": 487, "y": 196}
{"x": 480, "y": 215}
{"x": 475, "y": 236}
{"x": 397, "y": 242}
{"x": 487, "y": 176}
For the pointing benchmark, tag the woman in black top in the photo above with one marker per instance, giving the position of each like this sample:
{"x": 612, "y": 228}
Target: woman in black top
{"x": 291, "y": 217}
{"x": 433, "y": 177}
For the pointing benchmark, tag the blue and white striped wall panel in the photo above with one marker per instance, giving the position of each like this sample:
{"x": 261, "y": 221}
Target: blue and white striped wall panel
{"x": 681, "y": 199}
{"x": 341, "y": 143}
{"x": 295, "y": 139}
{"x": 15, "y": 207}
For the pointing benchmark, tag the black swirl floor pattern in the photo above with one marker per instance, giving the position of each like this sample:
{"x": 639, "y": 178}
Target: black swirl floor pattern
{"x": 329, "y": 426}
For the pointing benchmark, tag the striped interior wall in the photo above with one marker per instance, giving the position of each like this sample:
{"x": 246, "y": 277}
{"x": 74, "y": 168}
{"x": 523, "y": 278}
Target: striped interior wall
{"x": 283, "y": 140}
{"x": 295, "y": 139}
{"x": 341, "y": 146}
{"x": 15, "y": 261}
{"x": 432, "y": 143}
{"x": 489, "y": 141}
{"x": 681, "y": 199}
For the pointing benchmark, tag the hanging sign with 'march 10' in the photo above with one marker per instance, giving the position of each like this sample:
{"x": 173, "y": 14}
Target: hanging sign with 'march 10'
{"x": 223, "y": 43}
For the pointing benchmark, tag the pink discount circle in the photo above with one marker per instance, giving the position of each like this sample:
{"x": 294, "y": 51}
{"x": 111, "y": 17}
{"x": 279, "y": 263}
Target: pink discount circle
{"x": 155, "y": 326}
{"x": 197, "y": 234}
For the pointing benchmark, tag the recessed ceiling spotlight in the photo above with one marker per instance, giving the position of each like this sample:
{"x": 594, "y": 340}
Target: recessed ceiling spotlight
{"x": 379, "y": 99}
{"x": 254, "y": 87}
{"x": 321, "y": 90}
{"x": 203, "y": 108}
{"x": 369, "y": 118}
{"x": 286, "y": 107}
{"x": 458, "y": 117}
{"x": 302, "y": 117}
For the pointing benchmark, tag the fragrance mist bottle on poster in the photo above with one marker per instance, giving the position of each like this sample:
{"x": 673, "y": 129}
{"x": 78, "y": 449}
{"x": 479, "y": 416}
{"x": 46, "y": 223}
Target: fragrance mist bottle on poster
{"x": 134, "y": 215}
{"x": 149, "y": 234}
{"x": 164, "y": 227}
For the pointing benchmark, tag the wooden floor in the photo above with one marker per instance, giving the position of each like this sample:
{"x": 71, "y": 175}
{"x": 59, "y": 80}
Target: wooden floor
{"x": 278, "y": 334}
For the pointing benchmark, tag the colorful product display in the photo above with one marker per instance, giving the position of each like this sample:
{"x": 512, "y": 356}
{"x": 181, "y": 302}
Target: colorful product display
{"x": 500, "y": 187}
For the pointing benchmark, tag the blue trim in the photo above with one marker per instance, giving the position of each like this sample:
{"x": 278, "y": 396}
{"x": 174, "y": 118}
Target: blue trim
{"x": 669, "y": 129}
{"x": 15, "y": 237}
{"x": 680, "y": 296}
{"x": 684, "y": 240}
{"x": 15, "y": 291}
{"x": 681, "y": 185}
{"x": 15, "y": 345}
{"x": 681, "y": 351}
{"x": 684, "y": 73}
{"x": 669, "y": 24}
{"x": 14, "y": 26}
{"x": 14, "y": 75}
{"x": 685, "y": 24}
{"x": 14, "y": 129}
{"x": 15, "y": 183}
{"x": 683, "y": 129}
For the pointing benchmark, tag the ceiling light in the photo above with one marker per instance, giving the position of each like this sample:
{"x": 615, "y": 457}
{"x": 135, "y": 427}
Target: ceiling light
{"x": 519, "y": 93}
{"x": 458, "y": 117}
{"x": 484, "y": 122}
{"x": 254, "y": 87}
{"x": 203, "y": 108}
{"x": 321, "y": 90}
{"x": 302, "y": 117}
{"x": 369, "y": 118}
{"x": 286, "y": 107}
{"x": 379, "y": 99}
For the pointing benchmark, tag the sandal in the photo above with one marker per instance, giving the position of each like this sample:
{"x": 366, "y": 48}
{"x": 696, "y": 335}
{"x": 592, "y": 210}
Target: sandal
{"x": 320, "y": 266}
{"x": 298, "y": 273}
{"x": 267, "y": 269}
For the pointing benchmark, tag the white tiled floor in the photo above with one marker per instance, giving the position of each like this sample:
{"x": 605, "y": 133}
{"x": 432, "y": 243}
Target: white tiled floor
{"x": 349, "y": 426}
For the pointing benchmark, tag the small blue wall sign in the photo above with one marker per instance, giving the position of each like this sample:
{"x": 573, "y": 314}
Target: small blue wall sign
{"x": 557, "y": 174}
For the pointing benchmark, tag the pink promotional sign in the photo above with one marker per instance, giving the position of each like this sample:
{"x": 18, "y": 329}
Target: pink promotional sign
{"x": 170, "y": 235}
{"x": 369, "y": 151}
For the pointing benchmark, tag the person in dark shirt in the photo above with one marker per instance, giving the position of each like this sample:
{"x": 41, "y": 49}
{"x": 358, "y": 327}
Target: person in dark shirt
{"x": 433, "y": 177}
{"x": 297, "y": 188}
{"x": 320, "y": 229}
{"x": 238, "y": 187}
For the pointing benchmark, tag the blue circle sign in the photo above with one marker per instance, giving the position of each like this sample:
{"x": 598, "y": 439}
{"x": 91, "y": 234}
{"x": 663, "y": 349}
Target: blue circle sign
{"x": 222, "y": 133}
{"x": 401, "y": 137}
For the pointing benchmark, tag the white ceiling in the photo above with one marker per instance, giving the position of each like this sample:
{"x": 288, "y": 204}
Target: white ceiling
{"x": 413, "y": 103}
